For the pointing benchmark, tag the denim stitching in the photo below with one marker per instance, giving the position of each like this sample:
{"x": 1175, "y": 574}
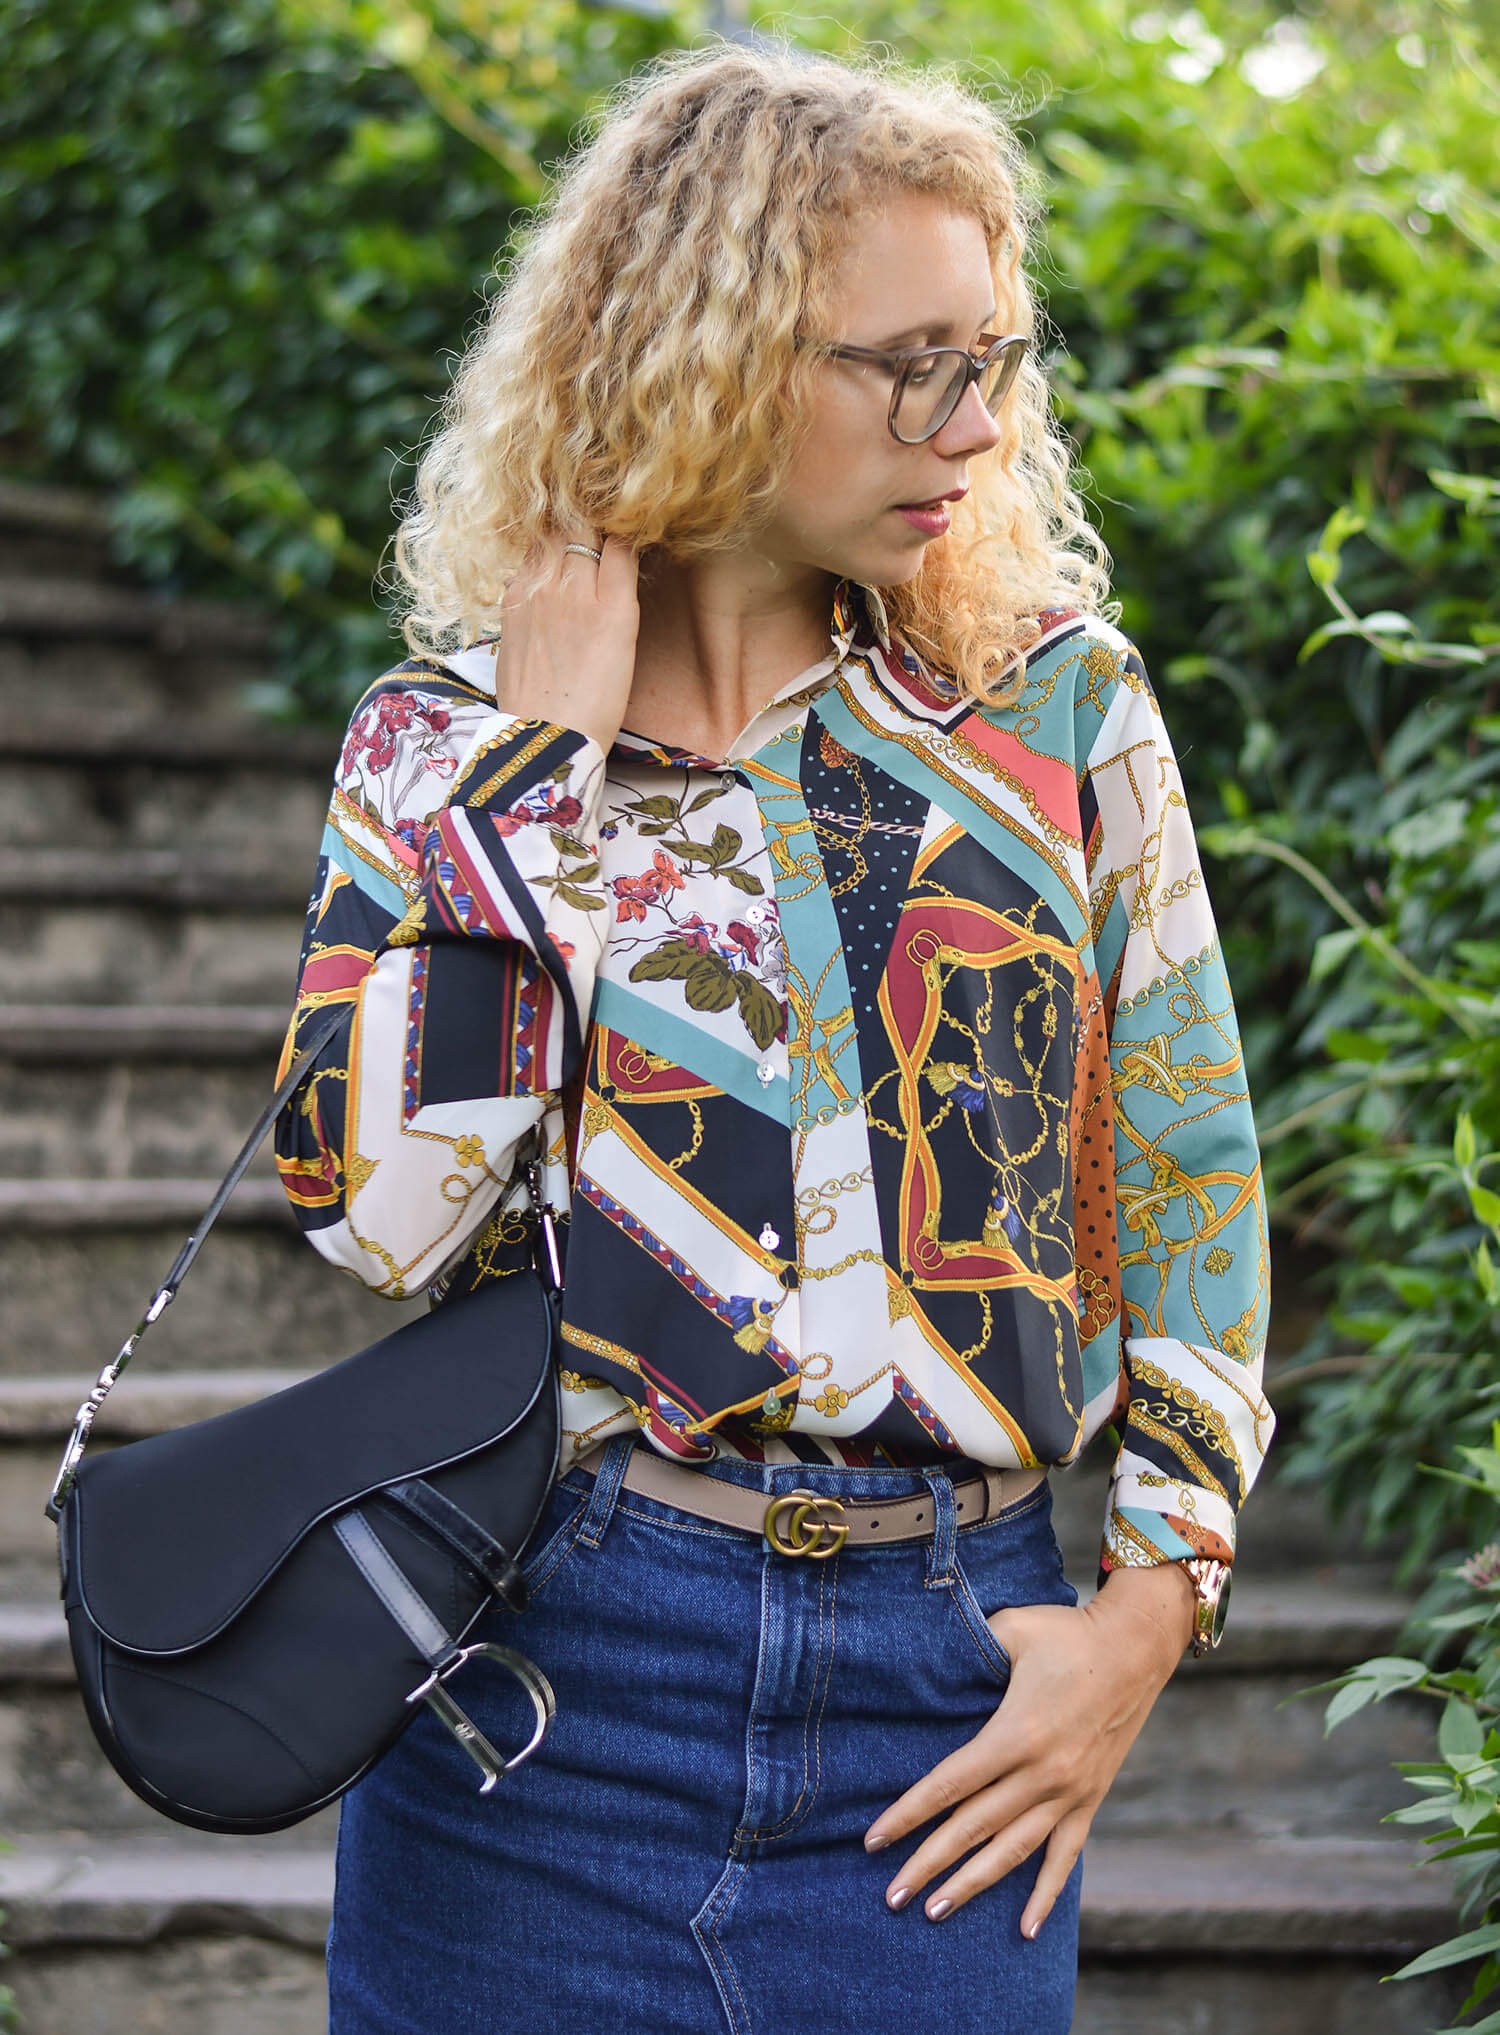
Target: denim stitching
{"x": 721, "y": 1910}
{"x": 715, "y": 1907}
{"x": 944, "y": 1527}
{"x": 743, "y": 1836}
{"x": 825, "y": 1668}
{"x": 967, "y": 1606}
{"x": 608, "y": 1479}
{"x": 550, "y": 1557}
{"x": 682, "y": 1526}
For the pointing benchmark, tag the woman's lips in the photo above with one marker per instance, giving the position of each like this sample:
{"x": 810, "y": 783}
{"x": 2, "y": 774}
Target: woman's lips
{"x": 932, "y": 522}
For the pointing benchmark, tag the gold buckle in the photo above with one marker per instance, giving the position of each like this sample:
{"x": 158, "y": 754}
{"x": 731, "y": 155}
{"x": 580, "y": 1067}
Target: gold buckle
{"x": 829, "y": 1531}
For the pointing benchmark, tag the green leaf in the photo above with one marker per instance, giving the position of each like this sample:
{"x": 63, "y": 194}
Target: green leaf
{"x": 1343, "y": 1044}
{"x": 673, "y": 960}
{"x": 1484, "y": 1272}
{"x": 1460, "y": 1728}
{"x": 745, "y": 880}
{"x": 581, "y": 900}
{"x": 1330, "y": 949}
{"x": 1423, "y": 1812}
{"x": 725, "y": 845}
{"x": 1468, "y": 1815}
{"x": 658, "y": 807}
{"x": 1371, "y": 1682}
{"x": 1323, "y": 567}
{"x": 704, "y": 798}
{"x": 759, "y": 1009}
{"x": 1464, "y": 1145}
{"x": 709, "y": 986}
{"x": 1474, "y": 1943}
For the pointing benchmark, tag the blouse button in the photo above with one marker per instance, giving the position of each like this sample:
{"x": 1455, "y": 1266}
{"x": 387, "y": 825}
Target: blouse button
{"x": 765, "y": 1073}
{"x": 769, "y": 1238}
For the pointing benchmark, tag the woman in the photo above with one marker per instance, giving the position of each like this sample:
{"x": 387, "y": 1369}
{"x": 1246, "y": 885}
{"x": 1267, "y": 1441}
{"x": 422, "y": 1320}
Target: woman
{"x": 797, "y": 842}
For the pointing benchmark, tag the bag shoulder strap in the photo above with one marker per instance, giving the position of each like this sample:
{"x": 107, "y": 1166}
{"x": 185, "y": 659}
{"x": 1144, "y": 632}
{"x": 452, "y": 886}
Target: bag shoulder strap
{"x": 328, "y": 1025}
{"x": 324, "y": 1028}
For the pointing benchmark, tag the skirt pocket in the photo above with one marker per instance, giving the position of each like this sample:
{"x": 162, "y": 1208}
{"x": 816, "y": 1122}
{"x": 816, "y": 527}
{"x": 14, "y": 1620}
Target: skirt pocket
{"x": 1011, "y": 1560}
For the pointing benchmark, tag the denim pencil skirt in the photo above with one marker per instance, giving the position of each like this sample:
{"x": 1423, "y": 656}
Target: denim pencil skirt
{"x": 685, "y": 1852}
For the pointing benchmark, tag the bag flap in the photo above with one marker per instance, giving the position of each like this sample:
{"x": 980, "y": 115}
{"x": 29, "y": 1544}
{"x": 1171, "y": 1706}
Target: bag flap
{"x": 170, "y": 1537}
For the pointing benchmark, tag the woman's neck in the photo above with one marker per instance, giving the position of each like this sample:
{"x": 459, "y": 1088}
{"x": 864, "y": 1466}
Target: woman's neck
{"x": 716, "y": 642}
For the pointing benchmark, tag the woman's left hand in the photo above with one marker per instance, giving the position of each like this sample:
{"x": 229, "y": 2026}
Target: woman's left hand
{"x": 1083, "y": 1680}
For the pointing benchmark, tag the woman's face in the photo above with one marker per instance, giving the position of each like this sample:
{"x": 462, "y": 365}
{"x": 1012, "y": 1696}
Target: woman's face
{"x": 916, "y": 272}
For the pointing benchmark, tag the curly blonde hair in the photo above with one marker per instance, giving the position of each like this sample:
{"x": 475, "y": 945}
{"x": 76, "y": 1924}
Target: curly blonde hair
{"x": 638, "y": 370}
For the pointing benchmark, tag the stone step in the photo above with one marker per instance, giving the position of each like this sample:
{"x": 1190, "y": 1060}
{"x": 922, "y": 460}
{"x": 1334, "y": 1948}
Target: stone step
{"x": 87, "y": 950}
{"x": 222, "y": 812}
{"x": 79, "y": 1260}
{"x": 56, "y": 531}
{"x": 210, "y": 744}
{"x": 151, "y": 876}
{"x": 143, "y": 1116}
{"x": 1182, "y": 1937}
{"x": 71, "y": 607}
{"x": 68, "y": 1033}
{"x": 126, "y": 687}
{"x": 97, "y": 1090}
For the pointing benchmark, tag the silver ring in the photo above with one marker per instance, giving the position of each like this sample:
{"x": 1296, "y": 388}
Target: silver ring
{"x": 587, "y": 551}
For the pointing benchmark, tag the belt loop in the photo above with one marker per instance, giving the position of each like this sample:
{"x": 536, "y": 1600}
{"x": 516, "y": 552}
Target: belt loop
{"x": 607, "y": 1481}
{"x": 944, "y": 1545}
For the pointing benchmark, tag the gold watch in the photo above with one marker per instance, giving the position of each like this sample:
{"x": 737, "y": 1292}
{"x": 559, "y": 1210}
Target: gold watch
{"x": 1211, "y": 1584}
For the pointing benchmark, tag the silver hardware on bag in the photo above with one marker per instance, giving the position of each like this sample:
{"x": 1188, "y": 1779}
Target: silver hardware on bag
{"x": 492, "y": 1763}
{"x": 88, "y": 1412}
{"x": 546, "y": 1216}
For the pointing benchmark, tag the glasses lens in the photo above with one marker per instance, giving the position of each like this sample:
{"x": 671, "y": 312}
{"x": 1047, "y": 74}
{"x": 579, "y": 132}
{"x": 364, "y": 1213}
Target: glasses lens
{"x": 995, "y": 382}
{"x": 935, "y": 384}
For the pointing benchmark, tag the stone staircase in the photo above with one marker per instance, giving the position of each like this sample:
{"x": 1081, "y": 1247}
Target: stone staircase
{"x": 155, "y": 854}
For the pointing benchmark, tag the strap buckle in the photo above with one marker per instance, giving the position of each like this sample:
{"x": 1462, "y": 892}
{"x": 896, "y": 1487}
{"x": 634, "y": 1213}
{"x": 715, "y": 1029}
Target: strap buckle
{"x": 492, "y": 1763}
{"x": 786, "y": 1524}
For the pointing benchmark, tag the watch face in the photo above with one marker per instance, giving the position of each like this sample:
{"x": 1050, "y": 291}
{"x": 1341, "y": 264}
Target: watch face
{"x": 1221, "y": 1609}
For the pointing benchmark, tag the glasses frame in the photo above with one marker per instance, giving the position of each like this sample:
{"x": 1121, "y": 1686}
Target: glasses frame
{"x": 901, "y": 361}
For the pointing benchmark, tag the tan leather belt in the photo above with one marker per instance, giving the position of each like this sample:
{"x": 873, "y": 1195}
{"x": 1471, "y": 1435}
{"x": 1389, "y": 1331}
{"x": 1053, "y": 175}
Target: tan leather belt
{"x": 804, "y": 1522}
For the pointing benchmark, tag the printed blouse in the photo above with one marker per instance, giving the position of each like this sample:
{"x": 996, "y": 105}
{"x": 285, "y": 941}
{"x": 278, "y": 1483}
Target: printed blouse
{"x": 886, "y": 1068}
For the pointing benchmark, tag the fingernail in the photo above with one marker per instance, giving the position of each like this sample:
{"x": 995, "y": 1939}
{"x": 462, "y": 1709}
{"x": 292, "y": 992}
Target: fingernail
{"x": 938, "y": 1910}
{"x": 898, "y": 1897}
{"x": 1032, "y": 1929}
{"x": 876, "y": 1840}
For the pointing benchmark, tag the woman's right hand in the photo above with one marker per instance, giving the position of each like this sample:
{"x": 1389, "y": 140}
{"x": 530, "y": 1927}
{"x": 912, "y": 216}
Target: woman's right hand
{"x": 567, "y": 651}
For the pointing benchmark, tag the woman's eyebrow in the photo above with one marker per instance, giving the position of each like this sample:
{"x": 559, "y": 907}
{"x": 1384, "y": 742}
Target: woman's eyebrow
{"x": 986, "y": 323}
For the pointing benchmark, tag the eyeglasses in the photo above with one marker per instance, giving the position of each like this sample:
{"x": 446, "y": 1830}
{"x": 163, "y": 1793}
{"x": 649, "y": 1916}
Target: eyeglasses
{"x": 931, "y": 381}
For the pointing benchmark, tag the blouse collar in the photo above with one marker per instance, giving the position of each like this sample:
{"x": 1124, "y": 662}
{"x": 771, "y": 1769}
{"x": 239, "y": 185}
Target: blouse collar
{"x": 857, "y": 620}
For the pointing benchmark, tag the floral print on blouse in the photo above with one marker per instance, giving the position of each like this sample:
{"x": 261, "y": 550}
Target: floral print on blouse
{"x": 886, "y": 1067}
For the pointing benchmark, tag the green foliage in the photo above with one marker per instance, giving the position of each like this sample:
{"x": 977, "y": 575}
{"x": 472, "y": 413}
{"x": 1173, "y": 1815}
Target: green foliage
{"x": 1458, "y": 1805}
{"x": 244, "y": 241}
{"x": 1360, "y": 1147}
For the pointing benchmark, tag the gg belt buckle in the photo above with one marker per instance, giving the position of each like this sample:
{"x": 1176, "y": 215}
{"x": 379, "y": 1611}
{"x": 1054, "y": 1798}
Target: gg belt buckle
{"x": 786, "y": 1524}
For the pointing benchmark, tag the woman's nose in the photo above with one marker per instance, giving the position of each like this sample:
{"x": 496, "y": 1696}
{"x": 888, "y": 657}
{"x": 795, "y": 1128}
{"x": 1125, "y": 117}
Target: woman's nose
{"x": 972, "y": 427}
